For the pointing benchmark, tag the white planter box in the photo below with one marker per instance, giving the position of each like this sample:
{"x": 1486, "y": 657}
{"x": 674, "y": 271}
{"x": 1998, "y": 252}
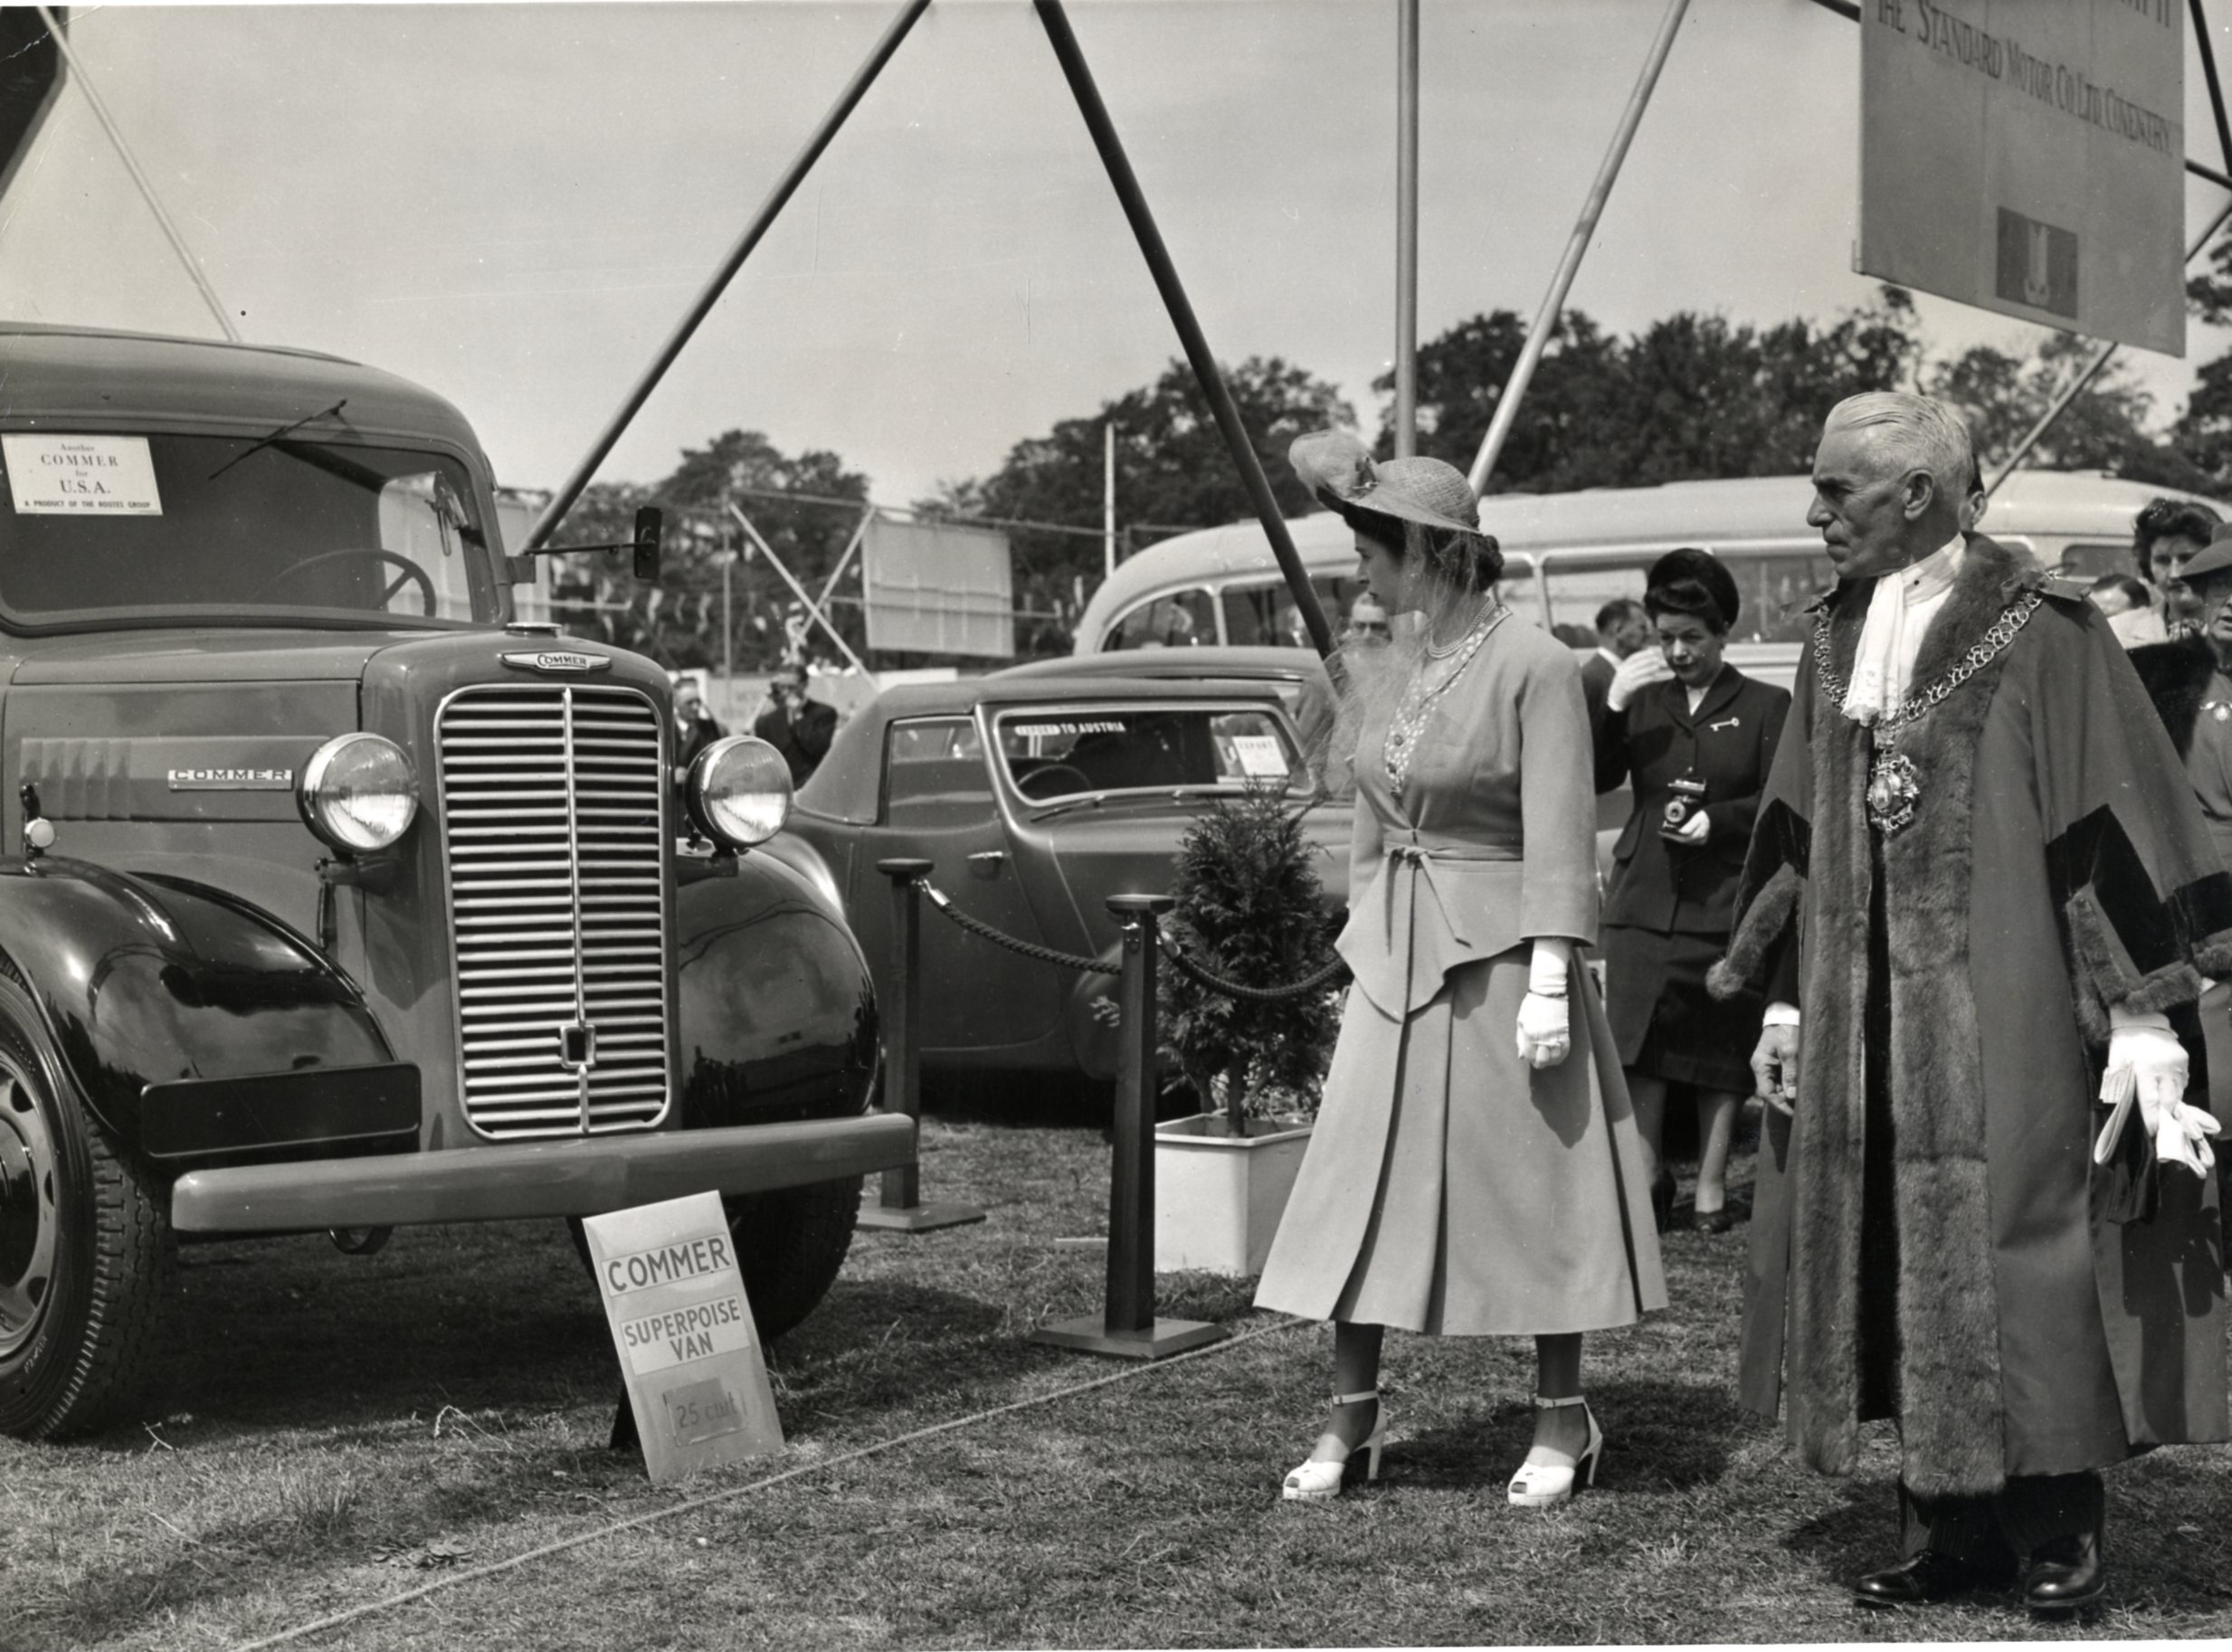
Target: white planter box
{"x": 1217, "y": 1200}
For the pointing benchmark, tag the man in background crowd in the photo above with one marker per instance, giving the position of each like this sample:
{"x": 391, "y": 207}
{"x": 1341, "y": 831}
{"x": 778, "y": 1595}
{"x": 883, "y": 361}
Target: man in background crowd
{"x": 1622, "y": 627}
{"x": 1367, "y": 624}
{"x": 694, "y": 727}
{"x": 799, "y": 727}
{"x": 2131, "y": 610}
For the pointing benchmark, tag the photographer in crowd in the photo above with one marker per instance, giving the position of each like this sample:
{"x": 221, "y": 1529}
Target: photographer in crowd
{"x": 1698, "y": 738}
{"x": 796, "y": 725}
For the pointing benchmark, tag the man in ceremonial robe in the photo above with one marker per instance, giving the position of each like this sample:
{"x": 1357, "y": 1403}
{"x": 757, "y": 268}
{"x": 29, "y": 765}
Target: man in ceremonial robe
{"x": 1978, "y": 879}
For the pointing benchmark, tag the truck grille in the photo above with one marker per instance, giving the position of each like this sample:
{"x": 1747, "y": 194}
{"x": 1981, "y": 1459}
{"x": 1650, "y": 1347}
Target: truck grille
{"x": 553, "y": 801}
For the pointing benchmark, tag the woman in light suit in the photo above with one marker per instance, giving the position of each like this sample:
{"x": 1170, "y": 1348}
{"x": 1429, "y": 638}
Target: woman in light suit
{"x": 1475, "y": 1169}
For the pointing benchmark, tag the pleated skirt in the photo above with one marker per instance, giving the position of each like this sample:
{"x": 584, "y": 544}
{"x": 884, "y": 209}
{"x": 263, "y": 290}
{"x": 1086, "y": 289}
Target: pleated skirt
{"x": 1449, "y": 1188}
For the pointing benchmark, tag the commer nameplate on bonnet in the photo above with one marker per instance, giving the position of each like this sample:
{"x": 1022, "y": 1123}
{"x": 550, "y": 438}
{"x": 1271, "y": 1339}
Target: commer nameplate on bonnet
{"x": 553, "y": 660}
{"x": 232, "y": 780}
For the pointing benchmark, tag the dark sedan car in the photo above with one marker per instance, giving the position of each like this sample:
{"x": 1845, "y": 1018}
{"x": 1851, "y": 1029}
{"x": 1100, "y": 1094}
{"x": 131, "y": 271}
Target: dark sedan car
{"x": 1299, "y": 677}
{"x": 1035, "y": 800}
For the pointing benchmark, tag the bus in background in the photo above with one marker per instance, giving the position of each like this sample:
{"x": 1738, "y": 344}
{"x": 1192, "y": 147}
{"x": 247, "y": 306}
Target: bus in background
{"x": 1566, "y": 554}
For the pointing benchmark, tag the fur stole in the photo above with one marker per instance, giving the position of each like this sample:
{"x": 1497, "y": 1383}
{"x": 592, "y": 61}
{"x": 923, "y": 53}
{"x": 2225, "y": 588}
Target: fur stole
{"x": 1948, "y": 1378}
{"x": 2177, "y": 675}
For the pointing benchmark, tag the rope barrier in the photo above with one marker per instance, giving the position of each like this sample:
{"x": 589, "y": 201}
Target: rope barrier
{"x": 1315, "y": 981}
{"x": 1029, "y": 949}
{"x": 1196, "y": 973}
{"x": 453, "y": 1580}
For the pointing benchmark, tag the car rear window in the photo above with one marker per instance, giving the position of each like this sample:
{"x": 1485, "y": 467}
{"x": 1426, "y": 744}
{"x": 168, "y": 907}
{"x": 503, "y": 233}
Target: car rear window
{"x": 934, "y": 773}
{"x": 1081, "y": 751}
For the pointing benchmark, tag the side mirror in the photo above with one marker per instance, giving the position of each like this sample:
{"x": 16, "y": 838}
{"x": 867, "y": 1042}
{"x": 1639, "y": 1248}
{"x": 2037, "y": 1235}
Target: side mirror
{"x": 650, "y": 529}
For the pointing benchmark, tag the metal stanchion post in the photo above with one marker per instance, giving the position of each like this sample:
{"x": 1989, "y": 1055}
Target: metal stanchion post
{"x": 900, "y": 1208}
{"x": 1127, "y": 1328}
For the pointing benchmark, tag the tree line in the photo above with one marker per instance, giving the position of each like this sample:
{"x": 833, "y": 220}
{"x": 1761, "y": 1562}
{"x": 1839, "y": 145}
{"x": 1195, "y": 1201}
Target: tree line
{"x": 1692, "y": 396}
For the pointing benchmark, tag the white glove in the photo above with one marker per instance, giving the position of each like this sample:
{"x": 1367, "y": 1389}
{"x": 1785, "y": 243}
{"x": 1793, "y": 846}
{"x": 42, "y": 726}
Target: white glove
{"x": 1696, "y": 829}
{"x": 2147, "y": 1065}
{"x": 1636, "y": 672}
{"x": 1545, "y": 1031}
{"x": 1546, "y": 1034}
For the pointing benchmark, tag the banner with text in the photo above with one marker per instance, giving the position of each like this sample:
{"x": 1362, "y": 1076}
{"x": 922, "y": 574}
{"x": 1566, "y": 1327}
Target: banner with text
{"x": 2028, "y": 157}
{"x": 689, "y": 1351}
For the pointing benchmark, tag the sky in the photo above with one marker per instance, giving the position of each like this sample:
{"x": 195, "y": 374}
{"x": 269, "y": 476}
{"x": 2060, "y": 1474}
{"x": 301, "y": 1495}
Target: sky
{"x": 514, "y": 205}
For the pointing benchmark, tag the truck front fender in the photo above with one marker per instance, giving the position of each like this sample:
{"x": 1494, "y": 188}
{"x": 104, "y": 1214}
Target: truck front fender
{"x": 778, "y": 1011}
{"x": 147, "y": 980}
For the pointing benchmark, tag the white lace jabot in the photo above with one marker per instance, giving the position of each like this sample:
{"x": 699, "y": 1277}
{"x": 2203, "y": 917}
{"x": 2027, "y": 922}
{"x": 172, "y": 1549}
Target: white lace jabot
{"x": 1898, "y": 615}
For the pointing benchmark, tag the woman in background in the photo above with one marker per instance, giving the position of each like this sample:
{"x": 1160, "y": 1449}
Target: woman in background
{"x": 1698, "y": 738}
{"x": 2167, "y": 534}
{"x": 1473, "y": 1170}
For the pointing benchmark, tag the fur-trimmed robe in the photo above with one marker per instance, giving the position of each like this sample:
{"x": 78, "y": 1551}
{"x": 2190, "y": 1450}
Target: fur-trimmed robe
{"x": 2058, "y": 865}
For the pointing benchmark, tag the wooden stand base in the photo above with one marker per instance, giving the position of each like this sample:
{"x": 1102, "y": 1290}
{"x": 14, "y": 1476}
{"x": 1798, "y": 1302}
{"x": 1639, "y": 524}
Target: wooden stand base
{"x": 1091, "y": 1335}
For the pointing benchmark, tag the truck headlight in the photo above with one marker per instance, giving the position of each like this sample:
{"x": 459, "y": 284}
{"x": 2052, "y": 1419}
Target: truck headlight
{"x": 359, "y": 793}
{"x": 739, "y": 791}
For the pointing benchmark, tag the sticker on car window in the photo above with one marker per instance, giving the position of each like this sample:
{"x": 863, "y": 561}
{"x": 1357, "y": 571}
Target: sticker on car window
{"x": 1261, "y": 756}
{"x": 1081, "y": 726}
{"x": 70, "y": 475}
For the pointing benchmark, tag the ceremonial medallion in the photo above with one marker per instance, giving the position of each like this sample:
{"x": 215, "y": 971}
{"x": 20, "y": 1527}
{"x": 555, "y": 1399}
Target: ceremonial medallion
{"x": 1894, "y": 789}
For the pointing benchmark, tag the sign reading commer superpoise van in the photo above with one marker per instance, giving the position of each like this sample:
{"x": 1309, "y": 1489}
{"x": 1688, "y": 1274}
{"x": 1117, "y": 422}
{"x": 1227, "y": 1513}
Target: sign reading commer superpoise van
{"x": 2027, "y": 157}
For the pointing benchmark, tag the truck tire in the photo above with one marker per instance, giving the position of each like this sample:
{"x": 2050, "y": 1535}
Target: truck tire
{"x": 789, "y": 1245}
{"x": 84, "y": 1244}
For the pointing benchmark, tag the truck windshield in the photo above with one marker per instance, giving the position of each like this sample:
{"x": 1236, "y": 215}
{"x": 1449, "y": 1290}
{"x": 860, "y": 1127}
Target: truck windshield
{"x": 105, "y": 528}
{"x": 1079, "y": 750}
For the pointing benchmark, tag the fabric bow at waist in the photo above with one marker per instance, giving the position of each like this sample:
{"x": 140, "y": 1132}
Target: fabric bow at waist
{"x": 1434, "y": 903}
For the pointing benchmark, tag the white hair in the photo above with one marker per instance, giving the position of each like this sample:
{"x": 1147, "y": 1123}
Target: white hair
{"x": 1916, "y": 434}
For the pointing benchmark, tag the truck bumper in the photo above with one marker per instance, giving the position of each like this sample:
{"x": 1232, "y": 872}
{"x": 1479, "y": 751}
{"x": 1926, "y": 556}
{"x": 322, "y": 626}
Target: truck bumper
{"x": 581, "y": 1177}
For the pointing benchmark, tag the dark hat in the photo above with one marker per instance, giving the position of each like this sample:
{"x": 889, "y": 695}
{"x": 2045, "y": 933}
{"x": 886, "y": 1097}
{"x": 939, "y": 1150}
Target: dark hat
{"x": 2215, "y": 561}
{"x": 1343, "y": 476}
{"x": 1679, "y": 578}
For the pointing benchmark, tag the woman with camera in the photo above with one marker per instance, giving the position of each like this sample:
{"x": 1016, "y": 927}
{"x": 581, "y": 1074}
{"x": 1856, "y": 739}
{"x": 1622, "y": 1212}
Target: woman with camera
{"x": 1696, "y": 737}
{"x": 1473, "y": 1170}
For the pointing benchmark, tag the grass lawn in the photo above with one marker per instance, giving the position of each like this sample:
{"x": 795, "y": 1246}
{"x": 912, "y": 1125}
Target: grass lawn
{"x": 334, "y": 1430}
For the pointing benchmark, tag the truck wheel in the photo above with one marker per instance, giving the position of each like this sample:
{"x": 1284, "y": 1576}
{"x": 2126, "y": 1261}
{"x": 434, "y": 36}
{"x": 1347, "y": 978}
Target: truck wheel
{"x": 83, "y": 1244}
{"x": 789, "y": 1245}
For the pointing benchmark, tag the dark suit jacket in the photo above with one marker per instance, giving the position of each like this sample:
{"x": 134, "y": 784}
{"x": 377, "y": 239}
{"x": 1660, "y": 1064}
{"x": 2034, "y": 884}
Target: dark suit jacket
{"x": 1596, "y": 682}
{"x": 804, "y": 740}
{"x": 1730, "y": 745}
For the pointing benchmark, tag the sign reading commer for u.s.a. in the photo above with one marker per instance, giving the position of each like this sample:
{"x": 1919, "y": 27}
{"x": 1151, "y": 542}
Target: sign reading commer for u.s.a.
{"x": 2028, "y": 157}
{"x": 691, "y": 1355}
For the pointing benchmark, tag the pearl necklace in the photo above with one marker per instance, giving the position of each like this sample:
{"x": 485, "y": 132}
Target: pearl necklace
{"x": 1418, "y": 699}
{"x": 1442, "y": 650}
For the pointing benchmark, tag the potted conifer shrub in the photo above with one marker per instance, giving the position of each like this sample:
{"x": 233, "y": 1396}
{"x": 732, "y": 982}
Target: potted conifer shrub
{"x": 1248, "y": 908}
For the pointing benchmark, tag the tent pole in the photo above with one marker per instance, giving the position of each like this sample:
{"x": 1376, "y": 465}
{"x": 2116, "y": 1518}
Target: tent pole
{"x": 1205, "y": 370}
{"x": 1406, "y": 228}
{"x": 2216, "y": 91}
{"x": 786, "y": 186}
{"x": 131, "y": 165}
{"x": 1553, "y": 303}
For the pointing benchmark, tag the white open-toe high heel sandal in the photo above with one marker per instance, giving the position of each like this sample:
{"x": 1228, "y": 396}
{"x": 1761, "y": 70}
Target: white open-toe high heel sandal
{"x": 1547, "y": 1485}
{"x": 1316, "y": 1481}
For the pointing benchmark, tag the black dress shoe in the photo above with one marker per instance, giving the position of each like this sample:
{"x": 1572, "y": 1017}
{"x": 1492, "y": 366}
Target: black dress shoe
{"x": 1928, "y": 1578}
{"x": 1723, "y": 1219}
{"x": 2065, "y": 1574}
